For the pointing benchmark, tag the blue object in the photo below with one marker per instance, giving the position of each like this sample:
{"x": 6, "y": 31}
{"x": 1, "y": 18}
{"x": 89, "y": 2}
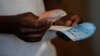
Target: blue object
{"x": 80, "y": 32}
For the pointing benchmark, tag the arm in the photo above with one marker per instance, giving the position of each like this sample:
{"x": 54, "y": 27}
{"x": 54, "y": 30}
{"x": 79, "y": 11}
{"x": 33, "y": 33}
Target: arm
{"x": 6, "y": 23}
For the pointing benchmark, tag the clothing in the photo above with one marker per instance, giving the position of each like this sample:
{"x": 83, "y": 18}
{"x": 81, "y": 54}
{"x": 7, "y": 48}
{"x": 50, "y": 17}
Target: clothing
{"x": 10, "y": 45}
{"x": 13, "y": 7}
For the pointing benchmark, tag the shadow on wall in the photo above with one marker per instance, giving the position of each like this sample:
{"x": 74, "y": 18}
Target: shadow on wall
{"x": 94, "y": 12}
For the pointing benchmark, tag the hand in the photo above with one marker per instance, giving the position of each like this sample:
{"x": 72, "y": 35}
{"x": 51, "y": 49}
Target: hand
{"x": 69, "y": 20}
{"x": 29, "y": 28}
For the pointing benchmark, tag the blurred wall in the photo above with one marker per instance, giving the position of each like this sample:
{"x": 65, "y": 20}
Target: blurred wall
{"x": 94, "y": 12}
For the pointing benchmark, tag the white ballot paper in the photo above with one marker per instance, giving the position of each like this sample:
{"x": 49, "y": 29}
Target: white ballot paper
{"x": 59, "y": 28}
{"x": 78, "y": 32}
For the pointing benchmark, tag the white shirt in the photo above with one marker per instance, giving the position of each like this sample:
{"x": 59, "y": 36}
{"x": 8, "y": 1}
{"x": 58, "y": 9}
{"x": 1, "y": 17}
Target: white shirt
{"x": 13, "y": 7}
{"x": 10, "y": 45}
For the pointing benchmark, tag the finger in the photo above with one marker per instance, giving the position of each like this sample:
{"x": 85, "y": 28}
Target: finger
{"x": 75, "y": 23}
{"x": 30, "y": 30}
{"x": 74, "y": 20}
{"x": 68, "y": 23}
{"x": 59, "y": 22}
{"x": 31, "y": 37}
{"x": 35, "y": 24}
{"x": 26, "y": 30}
{"x": 43, "y": 27}
{"x": 41, "y": 23}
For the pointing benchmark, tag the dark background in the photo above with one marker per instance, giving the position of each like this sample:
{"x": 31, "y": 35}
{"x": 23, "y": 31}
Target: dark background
{"x": 88, "y": 10}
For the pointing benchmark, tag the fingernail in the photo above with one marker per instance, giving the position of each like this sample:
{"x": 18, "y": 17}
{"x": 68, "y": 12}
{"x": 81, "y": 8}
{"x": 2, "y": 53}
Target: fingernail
{"x": 68, "y": 23}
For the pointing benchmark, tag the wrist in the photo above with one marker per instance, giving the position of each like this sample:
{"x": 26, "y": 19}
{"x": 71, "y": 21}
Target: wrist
{"x": 8, "y": 24}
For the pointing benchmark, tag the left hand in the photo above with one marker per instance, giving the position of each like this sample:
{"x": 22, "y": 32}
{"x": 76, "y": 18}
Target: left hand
{"x": 69, "y": 20}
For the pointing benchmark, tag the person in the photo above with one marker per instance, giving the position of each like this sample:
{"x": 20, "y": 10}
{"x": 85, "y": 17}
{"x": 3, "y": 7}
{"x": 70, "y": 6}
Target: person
{"x": 22, "y": 33}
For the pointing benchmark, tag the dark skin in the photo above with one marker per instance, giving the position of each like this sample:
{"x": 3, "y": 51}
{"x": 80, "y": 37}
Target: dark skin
{"x": 27, "y": 27}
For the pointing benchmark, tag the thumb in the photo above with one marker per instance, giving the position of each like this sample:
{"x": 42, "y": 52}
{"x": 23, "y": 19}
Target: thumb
{"x": 42, "y": 23}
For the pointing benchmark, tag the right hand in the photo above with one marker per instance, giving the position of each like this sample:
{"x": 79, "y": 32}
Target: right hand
{"x": 28, "y": 28}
